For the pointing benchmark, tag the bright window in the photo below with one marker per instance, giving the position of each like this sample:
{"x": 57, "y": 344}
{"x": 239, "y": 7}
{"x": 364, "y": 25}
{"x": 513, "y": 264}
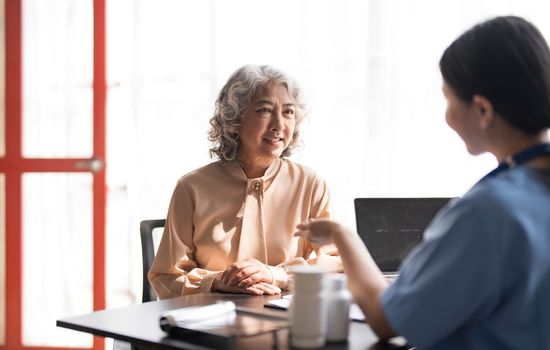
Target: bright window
{"x": 57, "y": 78}
{"x": 57, "y": 256}
{"x": 369, "y": 69}
{"x": 2, "y": 257}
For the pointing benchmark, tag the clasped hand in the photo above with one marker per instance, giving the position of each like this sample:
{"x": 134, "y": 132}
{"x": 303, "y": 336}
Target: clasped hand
{"x": 246, "y": 276}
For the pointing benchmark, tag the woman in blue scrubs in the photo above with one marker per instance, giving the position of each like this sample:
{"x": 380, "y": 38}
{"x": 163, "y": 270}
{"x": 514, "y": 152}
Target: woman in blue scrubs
{"x": 481, "y": 277}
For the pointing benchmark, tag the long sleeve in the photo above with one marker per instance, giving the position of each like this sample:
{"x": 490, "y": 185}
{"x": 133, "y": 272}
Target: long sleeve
{"x": 217, "y": 217}
{"x": 326, "y": 256}
{"x": 174, "y": 271}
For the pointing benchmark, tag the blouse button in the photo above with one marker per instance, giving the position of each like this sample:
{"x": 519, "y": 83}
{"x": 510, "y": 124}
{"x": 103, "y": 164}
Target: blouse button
{"x": 256, "y": 185}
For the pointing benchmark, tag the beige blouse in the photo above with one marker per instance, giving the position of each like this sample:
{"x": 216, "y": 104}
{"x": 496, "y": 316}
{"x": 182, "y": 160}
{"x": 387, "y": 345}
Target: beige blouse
{"x": 217, "y": 216}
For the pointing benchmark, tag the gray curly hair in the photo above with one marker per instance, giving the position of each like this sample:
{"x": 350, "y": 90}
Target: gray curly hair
{"x": 233, "y": 101}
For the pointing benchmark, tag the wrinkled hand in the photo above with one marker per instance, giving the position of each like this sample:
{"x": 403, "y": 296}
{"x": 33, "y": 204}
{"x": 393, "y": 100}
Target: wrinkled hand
{"x": 260, "y": 288}
{"x": 319, "y": 231}
{"x": 247, "y": 272}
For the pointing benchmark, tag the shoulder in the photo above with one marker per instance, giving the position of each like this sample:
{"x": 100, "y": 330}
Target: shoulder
{"x": 504, "y": 207}
{"x": 482, "y": 206}
{"x": 205, "y": 177}
{"x": 306, "y": 185}
{"x": 515, "y": 191}
{"x": 199, "y": 174}
{"x": 301, "y": 171}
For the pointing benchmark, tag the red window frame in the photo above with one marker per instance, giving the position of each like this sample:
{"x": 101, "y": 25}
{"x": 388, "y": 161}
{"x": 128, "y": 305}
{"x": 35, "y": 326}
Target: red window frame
{"x": 13, "y": 165}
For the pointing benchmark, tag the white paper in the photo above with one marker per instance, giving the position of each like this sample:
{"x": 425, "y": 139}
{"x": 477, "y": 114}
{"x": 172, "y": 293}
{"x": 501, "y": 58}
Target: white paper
{"x": 355, "y": 312}
{"x": 198, "y": 313}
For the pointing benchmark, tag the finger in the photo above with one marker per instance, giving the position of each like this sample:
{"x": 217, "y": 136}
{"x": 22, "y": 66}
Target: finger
{"x": 245, "y": 273}
{"x": 256, "y": 274}
{"x": 263, "y": 289}
{"x": 267, "y": 288}
{"x": 235, "y": 268}
{"x": 303, "y": 226}
{"x": 232, "y": 271}
{"x": 253, "y": 290}
{"x": 271, "y": 286}
{"x": 318, "y": 240}
{"x": 302, "y": 233}
{"x": 250, "y": 280}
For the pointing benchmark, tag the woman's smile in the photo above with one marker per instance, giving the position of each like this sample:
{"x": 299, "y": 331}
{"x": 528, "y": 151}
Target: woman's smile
{"x": 274, "y": 141}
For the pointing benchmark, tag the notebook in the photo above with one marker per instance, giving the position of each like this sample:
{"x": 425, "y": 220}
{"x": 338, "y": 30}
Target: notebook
{"x": 392, "y": 227}
{"x": 221, "y": 319}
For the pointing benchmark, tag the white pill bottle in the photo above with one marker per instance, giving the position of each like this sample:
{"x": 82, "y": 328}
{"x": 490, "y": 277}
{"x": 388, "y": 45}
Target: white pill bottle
{"x": 307, "y": 311}
{"x": 338, "y": 303}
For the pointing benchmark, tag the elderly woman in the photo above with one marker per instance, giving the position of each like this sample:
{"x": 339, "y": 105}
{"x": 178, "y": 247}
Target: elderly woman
{"x": 230, "y": 223}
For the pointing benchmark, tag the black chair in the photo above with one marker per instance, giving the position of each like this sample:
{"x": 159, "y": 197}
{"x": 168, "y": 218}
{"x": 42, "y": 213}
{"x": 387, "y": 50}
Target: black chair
{"x": 146, "y": 228}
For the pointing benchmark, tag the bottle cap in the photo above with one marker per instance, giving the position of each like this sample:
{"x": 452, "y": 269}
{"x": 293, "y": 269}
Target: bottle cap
{"x": 337, "y": 281}
{"x": 308, "y": 278}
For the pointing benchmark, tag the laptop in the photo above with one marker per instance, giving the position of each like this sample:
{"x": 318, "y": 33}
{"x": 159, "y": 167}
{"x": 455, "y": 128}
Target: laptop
{"x": 392, "y": 227}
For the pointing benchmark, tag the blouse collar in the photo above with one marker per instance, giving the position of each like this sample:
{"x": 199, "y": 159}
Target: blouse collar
{"x": 264, "y": 181}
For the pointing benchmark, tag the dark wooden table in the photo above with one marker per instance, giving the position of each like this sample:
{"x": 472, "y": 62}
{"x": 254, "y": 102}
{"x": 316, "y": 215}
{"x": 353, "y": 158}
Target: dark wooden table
{"x": 139, "y": 325}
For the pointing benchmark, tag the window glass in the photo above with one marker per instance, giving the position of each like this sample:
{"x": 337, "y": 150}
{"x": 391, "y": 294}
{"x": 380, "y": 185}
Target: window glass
{"x": 369, "y": 70}
{"x": 57, "y": 78}
{"x": 2, "y": 258}
{"x": 57, "y": 256}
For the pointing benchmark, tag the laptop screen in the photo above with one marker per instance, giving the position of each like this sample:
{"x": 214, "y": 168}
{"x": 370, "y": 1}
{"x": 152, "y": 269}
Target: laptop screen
{"x": 392, "y": 227}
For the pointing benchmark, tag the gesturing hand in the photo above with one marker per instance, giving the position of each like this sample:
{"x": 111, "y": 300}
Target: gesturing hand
{"x": 246, "y": 273}
{"x": 319, "y": 231}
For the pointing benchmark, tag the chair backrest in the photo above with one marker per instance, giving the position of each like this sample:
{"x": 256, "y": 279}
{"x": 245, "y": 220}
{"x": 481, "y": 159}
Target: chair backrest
{"x": 146, "y": 229}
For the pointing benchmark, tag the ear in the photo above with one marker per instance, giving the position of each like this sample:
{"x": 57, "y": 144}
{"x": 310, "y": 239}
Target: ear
{"x": 484, "y": 110}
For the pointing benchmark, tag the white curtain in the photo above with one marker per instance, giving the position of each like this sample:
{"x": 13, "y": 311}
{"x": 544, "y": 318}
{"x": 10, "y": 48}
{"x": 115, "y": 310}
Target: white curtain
{"x": 371, "y": 77}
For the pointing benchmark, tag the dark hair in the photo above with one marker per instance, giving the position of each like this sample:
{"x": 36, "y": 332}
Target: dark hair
{"x": 506, "y": 60}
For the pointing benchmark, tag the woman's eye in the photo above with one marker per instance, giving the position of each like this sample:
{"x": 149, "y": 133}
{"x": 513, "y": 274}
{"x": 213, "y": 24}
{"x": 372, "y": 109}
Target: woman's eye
{"x": 264, "y": 110}
{"x": 289, "y": 112}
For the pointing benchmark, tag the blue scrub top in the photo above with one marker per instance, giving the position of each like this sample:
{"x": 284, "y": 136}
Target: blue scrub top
{"x": 481, "y": 277}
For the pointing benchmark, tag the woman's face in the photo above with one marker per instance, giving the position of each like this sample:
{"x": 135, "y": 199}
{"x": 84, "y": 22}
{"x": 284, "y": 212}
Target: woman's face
{"x": 267, "y": 125}
{"x": 461, "y": 117}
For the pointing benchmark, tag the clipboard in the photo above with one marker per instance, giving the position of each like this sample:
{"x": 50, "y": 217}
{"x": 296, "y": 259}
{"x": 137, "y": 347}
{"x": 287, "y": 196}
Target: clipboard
{"x": 223, "y": 319}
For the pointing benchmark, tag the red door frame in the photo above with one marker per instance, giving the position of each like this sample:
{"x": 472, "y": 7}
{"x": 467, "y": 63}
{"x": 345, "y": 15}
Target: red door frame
{"x": 13, "y": 165}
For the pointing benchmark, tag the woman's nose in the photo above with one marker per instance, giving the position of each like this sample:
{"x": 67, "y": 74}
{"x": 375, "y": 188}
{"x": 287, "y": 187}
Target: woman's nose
{"x": 277, "y": 121}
